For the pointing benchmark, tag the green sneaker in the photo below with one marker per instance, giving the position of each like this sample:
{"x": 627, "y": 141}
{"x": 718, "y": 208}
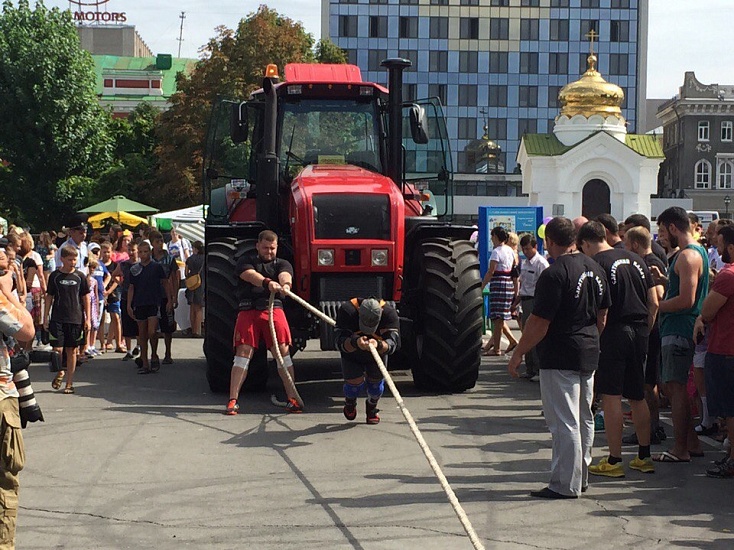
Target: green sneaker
{"x": 603, "y": 468}
{"x": 644, "y": 465}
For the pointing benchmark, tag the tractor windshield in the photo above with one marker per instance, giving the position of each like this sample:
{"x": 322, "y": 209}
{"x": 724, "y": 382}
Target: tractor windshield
{"x": 339, "y": 131}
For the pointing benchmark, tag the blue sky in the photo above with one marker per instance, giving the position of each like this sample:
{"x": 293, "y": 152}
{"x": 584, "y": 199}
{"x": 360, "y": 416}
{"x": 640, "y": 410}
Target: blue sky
{"x": 685, "y": 35}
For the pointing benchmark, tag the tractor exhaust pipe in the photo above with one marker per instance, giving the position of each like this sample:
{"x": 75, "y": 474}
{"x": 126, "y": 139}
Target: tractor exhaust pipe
{"x": 395, "y": 68}
{"x": 269, "y": 171}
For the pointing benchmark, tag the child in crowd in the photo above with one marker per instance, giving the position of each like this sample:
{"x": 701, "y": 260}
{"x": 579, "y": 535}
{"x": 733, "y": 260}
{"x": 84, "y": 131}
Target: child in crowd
{"x": 95, "y": 308}
{"x": 68, "y": 293}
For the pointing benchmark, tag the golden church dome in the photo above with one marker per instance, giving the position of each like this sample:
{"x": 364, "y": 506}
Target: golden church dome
{"x": 591, "y": 95}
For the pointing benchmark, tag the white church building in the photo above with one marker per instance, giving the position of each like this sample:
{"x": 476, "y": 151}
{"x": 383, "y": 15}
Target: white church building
{"x": 590, "y": 165}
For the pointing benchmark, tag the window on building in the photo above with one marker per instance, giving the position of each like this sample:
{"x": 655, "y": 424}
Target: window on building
{"x": 557, "y": 63}
{"x": 619, "y": 31}
{"x": 620, "y": 4}
{"x": 502, "y": 3}
{"x": 703, "y": 174}
{"x": 559, "y": 30}
{"x": 703, "y": 130}
{"x": 469, "y": 2}
{"x": 619, "y": 64}
{"x": 497, "y": 128}
{"x": 374, "y": 58}
{"x": 589, "y": 3}
{"x": 351, "y": 56}
{"x": 378, "y": 26}
{"x": 409, "y": 2}
{"x": 528, "y": 96}
{"x": 468, "y": 62}
{"x": 439, "y": 2}
{"x": 527, "y": 126}
{"x": 469, "y": 27}
{"x": 530, "y": 3}
{"x": 553, "y": 92}
{"x": 439, "y": 27}
{"x": 408, "y": 27}
{"x": 726, "y": 128}
{"x": 559, "y": 3}
{"x": 347, "y": 25}
{"x": 498, "y": 62}
{"x": 498, "y": 96}
{"x": 529, "y": 29}
{"x": 529, "y": 62}
{"x": 499, "y": 28}
{"x": 378, "y": 1}
{"x": 410, "y": 91}
{"x": 438, "y": 61}
{"x": 439, "y": 91}
{"x": 348, "y": 1}
{"x": 467, "y": 95}
{"x": 725, "y": 170}
{"x": 587, "y": 25}
{"x": 411, "y": 55}
{"x": 467, "y": 128}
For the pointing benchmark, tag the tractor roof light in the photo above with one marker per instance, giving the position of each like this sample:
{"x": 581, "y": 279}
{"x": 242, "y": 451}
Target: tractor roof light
{"x": 271, "y": 71}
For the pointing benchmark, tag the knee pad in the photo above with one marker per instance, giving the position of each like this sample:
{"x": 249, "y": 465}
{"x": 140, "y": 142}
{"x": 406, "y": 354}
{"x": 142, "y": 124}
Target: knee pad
{"x": 351, "y": 391}
{"x": 375, "y": 389}
{"x": 287, "y": 362}
{"x": 240, "y": 362}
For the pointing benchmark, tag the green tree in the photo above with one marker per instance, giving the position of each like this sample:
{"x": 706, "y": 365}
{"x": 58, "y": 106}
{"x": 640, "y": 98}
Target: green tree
{"x": 233, "y": 66}
{"x": 328, "y": 52}
{"x": 132, "y": 172}
{"x": 53, "y": 133}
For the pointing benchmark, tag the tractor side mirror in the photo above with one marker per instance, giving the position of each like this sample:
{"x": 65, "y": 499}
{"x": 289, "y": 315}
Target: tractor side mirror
{"x": 238, "y": 123}
{"x": 419, "y": 124}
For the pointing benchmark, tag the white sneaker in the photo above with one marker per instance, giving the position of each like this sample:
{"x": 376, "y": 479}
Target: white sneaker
{"x": 535, "y": 378}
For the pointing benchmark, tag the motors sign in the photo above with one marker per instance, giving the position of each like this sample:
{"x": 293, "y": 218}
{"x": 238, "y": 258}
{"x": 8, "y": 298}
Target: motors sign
{"x": 88, "y": 11}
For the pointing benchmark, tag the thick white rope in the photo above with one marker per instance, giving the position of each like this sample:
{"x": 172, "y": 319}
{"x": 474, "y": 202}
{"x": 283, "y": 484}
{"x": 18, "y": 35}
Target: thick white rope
{"x": 458, "y": 509}
{"x": 279, "y": 357}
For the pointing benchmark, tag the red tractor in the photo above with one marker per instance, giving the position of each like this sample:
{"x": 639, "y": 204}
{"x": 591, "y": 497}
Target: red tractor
{"x": 342, "y": 170}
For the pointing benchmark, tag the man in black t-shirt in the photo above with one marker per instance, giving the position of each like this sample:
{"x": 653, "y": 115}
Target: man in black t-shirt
{"x": 260, "y": 274}
{"x": 359, "y": 323}
{"x": 169, "y": 298}
{"x": 611, "y": 230}
{"x": 571, "y": 302}
{"x": 638, "y": 240}
{"x": 68, "y": 292}
{"x": 640, "y": 220}
{"x": 145, "y": 294}
{"x": 623, "y": 347}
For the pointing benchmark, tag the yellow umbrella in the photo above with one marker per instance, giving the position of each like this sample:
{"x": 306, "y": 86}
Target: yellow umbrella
{"x": 124, "y": 218}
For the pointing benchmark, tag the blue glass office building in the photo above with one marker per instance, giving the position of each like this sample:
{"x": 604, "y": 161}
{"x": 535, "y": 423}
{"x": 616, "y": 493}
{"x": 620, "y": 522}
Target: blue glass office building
{"x": 495, "y": 62}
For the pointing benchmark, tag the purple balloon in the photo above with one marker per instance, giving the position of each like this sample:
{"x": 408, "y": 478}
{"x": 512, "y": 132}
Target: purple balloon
{"x": 547, "y": 219}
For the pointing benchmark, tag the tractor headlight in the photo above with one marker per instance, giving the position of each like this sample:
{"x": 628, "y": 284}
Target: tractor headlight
{"x": 379, "y": 257}
{"x": 326, "y": 256}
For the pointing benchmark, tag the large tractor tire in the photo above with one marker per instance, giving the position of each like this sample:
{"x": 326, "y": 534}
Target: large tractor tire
{"x": 444, "y": 349}
{"x": 221, "y": 313}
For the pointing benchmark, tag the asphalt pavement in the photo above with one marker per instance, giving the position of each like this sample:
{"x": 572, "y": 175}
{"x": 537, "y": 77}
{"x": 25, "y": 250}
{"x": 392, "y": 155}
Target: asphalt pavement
{"x": 150, "y": 461}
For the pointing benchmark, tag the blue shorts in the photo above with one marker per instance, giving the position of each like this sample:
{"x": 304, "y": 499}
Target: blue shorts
{"x": 113, "y": 307}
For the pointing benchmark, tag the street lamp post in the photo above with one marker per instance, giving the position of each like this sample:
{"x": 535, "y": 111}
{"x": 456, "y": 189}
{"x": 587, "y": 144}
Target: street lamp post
{"x": 727, "y": 201}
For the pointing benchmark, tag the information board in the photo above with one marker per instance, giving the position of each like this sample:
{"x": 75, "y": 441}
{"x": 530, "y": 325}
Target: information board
{"x": 519, "y": 219}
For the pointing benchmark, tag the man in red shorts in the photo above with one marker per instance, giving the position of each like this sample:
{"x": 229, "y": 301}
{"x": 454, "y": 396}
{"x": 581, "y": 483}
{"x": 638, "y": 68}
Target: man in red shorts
{"x": 261, "y": 273}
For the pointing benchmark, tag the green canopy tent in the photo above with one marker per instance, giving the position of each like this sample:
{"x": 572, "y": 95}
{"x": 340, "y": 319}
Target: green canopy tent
{"x": 118, "y": 203}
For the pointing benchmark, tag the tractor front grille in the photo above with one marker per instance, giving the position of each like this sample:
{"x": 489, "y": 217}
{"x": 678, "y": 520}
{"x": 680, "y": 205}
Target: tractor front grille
{"x": 351, "y": 217}
{"x": 341, "y": 287}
